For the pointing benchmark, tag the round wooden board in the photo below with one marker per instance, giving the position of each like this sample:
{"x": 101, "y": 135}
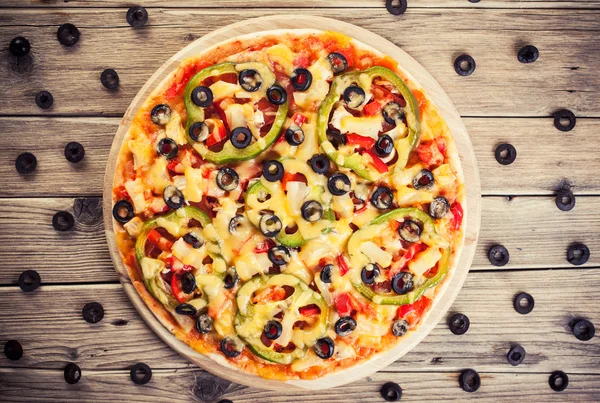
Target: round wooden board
{"x": 472, "y": 210}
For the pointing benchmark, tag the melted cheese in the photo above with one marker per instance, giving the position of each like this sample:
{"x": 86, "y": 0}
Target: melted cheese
{"x": 175, "y": 130}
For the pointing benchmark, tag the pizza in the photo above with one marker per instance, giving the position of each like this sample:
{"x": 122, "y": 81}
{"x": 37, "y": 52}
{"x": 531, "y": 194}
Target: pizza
{"x": 289, "y": 203}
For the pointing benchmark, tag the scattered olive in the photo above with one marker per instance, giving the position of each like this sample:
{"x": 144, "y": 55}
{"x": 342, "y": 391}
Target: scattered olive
{"x": 345, "y": 325}
{"x": 74, "y": 152}
{"x": 410, "y": 231}
{"x": 439, "y": 207}
{"x": 469, "y": 380}
{"x": 324, "y": 348}
{"x": 123, "y": 211}
{"x": 204, "y": 323}
{"x": 19, "y": 46}
{"x": 273, "y": 330}
{"x": 270, "y": 225}
{"x": 276, "y": 95}
{"x": 369, "y": 273}
{"x": 272, "y": 170}
{"x": 498, "y": 255}
{"x": 396, "y": 10}
{"x": 140, "y": 373}
{"x": 565, "y": 200}
{"x": 423, "y": 179}
{"x": 558, "y": 381}
{"x": 338, "y": 184}
{"x": 459, "y": 323}
{"x": 301, "y": 79}
{"x": 578, "y": 254}
{"x": 354, "y": 96}
{"x": 279, "y": 255}
{"x": 68, "y": 34}
{"x": 505, "y": 153}
{"x": 92, "y": 312}
{"x": 402, "y": 283}
{"x": 400, "y": 327}
{"x": 186, "y": 309}
{"x": 202, "y": 96}
{"x": 26, "y": 163}
{"x": 464, "y": 65}
{"x": 173, "y": 197}
{"x": 29, "y": 280}
{"x": 319, "y": 163}
{"x": 294, "y": 135}
{"x": 13, "y": 350}
{"x": 523, "y": 303}
{"x": 137, "y": 16}
{"x": 584, "y": 330}
{"x": 161, "y": 114}
{"x": 516, "y": 355}
{"x": 326, "y": 273}
{"x": 63, "y": 221}
{"x": 230, "y": 348}
{"x": 250, "y": 80}
{"x": 560, "y": 116}
{"x": 110, "y": 79}
{"x": 227, "y": 179}
{"x": 241, "y": 137}
{"x": 338, "y": 62}
{"x": 311, "y": 211}
{"x": 72, "y": 373}
{"x": 382, "y": 198}
{"x": 44, "y": 99}
{"x": 528, "y": 54}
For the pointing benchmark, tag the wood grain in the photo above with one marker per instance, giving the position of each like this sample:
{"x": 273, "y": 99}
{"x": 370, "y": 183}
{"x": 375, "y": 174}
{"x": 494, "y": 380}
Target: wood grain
{"x": 564, "y": 76}
{"x": 122, "y": 338}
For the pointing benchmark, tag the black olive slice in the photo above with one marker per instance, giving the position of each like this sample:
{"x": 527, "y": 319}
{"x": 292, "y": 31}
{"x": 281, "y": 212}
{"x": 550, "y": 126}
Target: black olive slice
{"x": 565, "y": 200}
{"x": 345, "y": 325}
{"x": 528, "y": 54}
{"x": 273, "y": 330}
{"x": 204, "y": 323}
{"x": 227, "y": 179}
{"x": 391, "y": 391}
{"x": 231, "y": 278}
{"x": 338, "y": 62}
{"x": 276, "y": 95}
{"x": 369, "y": 273}
{"x": 423, "y": 179}
{"x": 402, "y": 283}
{"x": 236, "y": 222}
{"x": 198, "y": 131}
{"x": 439, "y": 207}
{"x": 498, "y": 255}
{"x": 123, "y": 211}
{"x": 19, "y": 46}
{"x": 584, "y": 330}
{"x": 188, "y": 282}
{"x": 272, "y": 170}
{"x": 393, "y": 113}
{"x": 400, "y": 328}
{"x": 516, "y": 355}
{"x": 250, "y": 80}
{"x": 161, "y": 114}
{"x": 312, "y": 211}
{"x": 338, "y": 184}
{"x": 301, "y": 79}
{"x": 140, "y": 373}
{"x": 382, "y": 198}
{"x": 270, "y": 225}
{"x": 354, "y": 96}
{"x": 193, "y": 240}
{"x": 26, "y": 163}
{"x": 578, "y": 254}
{"x": 110, "y": 79}
{"x": 44, "y": 99}
{"x": 384, "y": 145}
{"x": 336, "y": 138}
{"x": 459, "y": 323}
{"x": 294, "y": 135}
{"x": 74, "y": 152}
{"x": 319, "y": 163}
{"x": 13, "y": 350}
{"x": 92, "y": 312}
{"x": 202, "y": 96}
{"x": 326, "y": 273}
{"x": 173, "y": 197}
{"x": 137, "y": 16}
{"x": 410, "y": 231}
{"x": 241, "y": 137}
{"x": 464, "y": 65}
{"x": 564, "y": 120}
{"x": 469, "y": 380}
{"x": 505, "y": 154}
{"x": 72, "y": 373}
{"x": 279, "y": 255}
{"x": 186, "y": 309}
{"x": 29, "y": 280}
{"x": 558, "y": 381}
{"x": 396, "y": 10}
{"x": 167, "y": 148}
{"x": 63, "y": 221}
{"x": 230, "y": 348}
{"x": 523, "y": 303}
{"x": 68, "y": 34}
{"x": 324, "y": 348}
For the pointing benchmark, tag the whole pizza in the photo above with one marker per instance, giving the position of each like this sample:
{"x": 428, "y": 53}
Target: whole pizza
{"x": 289, "y": 203}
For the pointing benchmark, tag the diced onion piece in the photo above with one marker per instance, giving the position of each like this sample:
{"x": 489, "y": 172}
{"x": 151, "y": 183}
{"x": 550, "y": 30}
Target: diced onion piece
{"x": 296, "y": 193}
{"x": 424, "y": 261}
{"x": 134, "y": 226}
{"x": 151, "y": 267}
{"x": 375, "y": 254}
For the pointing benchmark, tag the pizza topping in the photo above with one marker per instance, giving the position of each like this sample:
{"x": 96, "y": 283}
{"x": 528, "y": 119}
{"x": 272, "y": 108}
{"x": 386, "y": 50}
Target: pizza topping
{"x": 393, "y": 113}
{"x": 382, "y": 198}
{"x": 230, "y": 347}
{"x": 319, "y": 163}
{"x": 204, "y": 323}
{"x": 123, "y": 211}
{"x": 250, "y": 80}
{"x": 312, "y": 211}
{"x": 410, "y": 231}
{"x": 194, "y": 240}
{"x": 161, "y": 114}
{"x": 423, "y": 180}
{"x": 270, "y": 225}
{"x": 276, "y": 95}
{"x": 384, "y": 145}
{"x": 354, "y": 96}
{"x": 369, "y": 273}
{"x": 279, "y": 255}
{"x": 336, "y": 138}
{"x": 439, "y": 207}
{"x": 186, "y": 309}
{"x": 400, "y": 327}
{"x": 324, "y": 348}
{"x": 338, "y": 184}
{"x": 345, "y": 326}
{"x": 227, "y": 179}
{"x": 294, "y": 135}
{"x": 301, "y": 79}
{"x": 402, "y": 283}
{"x": 241, "y": 137}
{"x": 167, "y": 148}
{"x": 338, "y": 62}
{"x": 173, "y": 197}
{"x": 326, "y": 273}
{"x": 272, "y": 170}
{"x": 273, "y": 330}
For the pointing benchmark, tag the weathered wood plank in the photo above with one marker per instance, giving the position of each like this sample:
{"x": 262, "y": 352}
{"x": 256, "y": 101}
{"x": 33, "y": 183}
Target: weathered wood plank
{"x": 546, "y": 157}
{"x": 122, "y": 338}
{"x": 563, "y": 76}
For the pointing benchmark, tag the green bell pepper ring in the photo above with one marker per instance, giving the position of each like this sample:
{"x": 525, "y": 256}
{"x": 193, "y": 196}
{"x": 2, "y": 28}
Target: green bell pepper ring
{"x": 355, "y": 161}
{"x": 229, "y": 153}
{"x": 428, "y": 235}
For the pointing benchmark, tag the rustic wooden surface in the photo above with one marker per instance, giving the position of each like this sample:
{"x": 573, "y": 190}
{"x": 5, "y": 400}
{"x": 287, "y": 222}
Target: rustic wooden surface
{"x": 503, "y": 101}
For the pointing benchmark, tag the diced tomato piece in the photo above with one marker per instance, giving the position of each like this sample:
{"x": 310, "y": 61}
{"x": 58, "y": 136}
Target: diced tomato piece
{"x": 298, "y": 119}
{"x": 157, "y": 240}
{"x": 121, "y": 192}
{"x": 310, "y": 310}
{"x": 270, "y": 294}
{"x": 372, "y": 108}
{"x": 379, "y": 165}
{"x": 342, "y": 264}
{"x": 358, "y": 140}
{"x": 218, "y": 133}
{"x": 441, "y": 145}
{"x": 343, "y": 304}
{"x": 301, "y": 60}
{"x": 292, "y": 177}
{"x": 421, "y": 100}
{"x": 429, "y": 153}
{"x": 264, "y": 246}
{"x": 412, "y": 313}
{"x": 384, "y": 95}
{"x": 457, "y": 216}
{"x": 401, "y": 264}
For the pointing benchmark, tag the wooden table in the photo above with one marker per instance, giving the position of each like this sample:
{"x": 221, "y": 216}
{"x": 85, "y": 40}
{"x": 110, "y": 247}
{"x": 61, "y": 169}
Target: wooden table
{"x": 503, "y": 101}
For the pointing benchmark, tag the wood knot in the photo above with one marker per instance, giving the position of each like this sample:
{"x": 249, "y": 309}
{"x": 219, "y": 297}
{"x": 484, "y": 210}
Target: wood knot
{"x": 208, "y": 388}
{"x": 88, "y": 211}
{"x": 20, "y": 65}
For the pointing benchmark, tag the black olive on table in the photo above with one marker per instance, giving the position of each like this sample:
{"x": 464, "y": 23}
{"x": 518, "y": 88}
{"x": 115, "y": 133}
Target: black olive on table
{"x": 523, "y": 303}
{"x": 516, "y": 355}
{"x": 459, "y": 324}
{"x": 204, "y": 323}
{"x": 326, "y": 273}
{"x": 29, "y": 280}
{"x": 63, "y": 221}
{"x": 92, "y": 312}
{"x": 384, "y": 145}
{"x": 410, "y": 231}
{"x": 230, "y": 348}
{"x": 110, "y": 79}
{"x": 136, "y": 16}
{"x": 198, "y": 131}
{"x": 202, "y": 96}
{"x": 469, "y": 380}
{"x": 505, "y": 154}
{"x": 338, "y": 62}
{"x": 439, "y": 207}
{"x": 279, "y": 255}
{"x": 294, "y": 135}
{"x": 558, "y": 381}
{"x": 241, "y": 137}
{"x": 354, "y": 96}
{"x": 123, "y": 211}
{"x": 528, "y": 54}
{"x": 186, "y": 309}
{"x": 393, "y": 113}
{"x": 276, "y": 95}
{"x": 140, "y": 373}
{"x": 464, "y": 65}
{"x": 400, "y": 327}
{"x": 565, "y": 200}
{"x": 188, "y": 282}
{"x": 26, "y": 163}
{"x": 44, "y": 99}
{"x": 13, "y": 350}
{"x": 272, "y": 170}
{"x": 273, "y": 330}
{"x": 74, "y": 152}
{"x": 561, "y": 116}
{"x": 19, "y": 46}
{"x": 578, "y": 254}
{"x": 72, "y": 373}
{"x": 402, "y": 283}
{"x": 161, "y": 114}
{"x": 382, "y": 198}
{"x": 301, "y": 79}
{"x": 270, "y": 225}
{"x": 423, "y": 179}
{"x": 231, "y": 278}
{"x": 324, "y": 348}
{"x": 369, "y": 273}
{"x": 319, "y": 163}
{"x": 227, "y": 179}
{"x": 345, "y": 325}
{"x": 250, "y": 80}
{"x": 396, "y": 10}
{"x": 584, "y": 330}
{"x": 312, "y": 211}
{"x": 498, "y": 255}
{"x": 173, "y": 197}
{"x": 68, "y": 34}
{"x": 336, "y": 138}
{"x": 338, "y": 184}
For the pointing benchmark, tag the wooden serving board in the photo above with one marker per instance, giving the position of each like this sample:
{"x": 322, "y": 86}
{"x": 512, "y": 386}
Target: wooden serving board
{"x": 472, "y": 209}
